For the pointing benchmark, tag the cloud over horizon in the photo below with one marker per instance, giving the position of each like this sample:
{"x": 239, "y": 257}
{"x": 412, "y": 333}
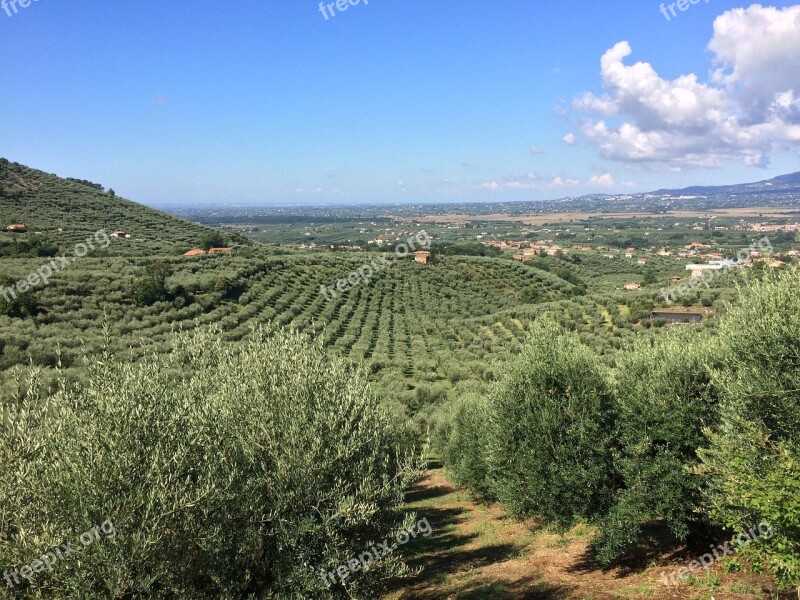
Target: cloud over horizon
{"x": 749, "y": 108}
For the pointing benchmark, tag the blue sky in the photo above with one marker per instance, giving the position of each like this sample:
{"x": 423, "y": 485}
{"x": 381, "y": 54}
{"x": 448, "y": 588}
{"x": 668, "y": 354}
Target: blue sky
{"x": 269, "y": 102}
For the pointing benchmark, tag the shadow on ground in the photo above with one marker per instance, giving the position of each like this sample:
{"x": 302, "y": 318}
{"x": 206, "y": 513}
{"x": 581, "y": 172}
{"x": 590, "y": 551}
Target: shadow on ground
{"x": 529, "y": 588}
{"x": 446, "y": 553}
{"x": 659, "y": 545}
{"x": 419, "y": 494}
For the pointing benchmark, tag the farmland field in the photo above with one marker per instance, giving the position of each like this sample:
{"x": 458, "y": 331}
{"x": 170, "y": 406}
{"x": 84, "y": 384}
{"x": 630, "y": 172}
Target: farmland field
{"x": 434, "y": 342}
{"x": 417, "y": 327}
{"x": 363, "y": 300}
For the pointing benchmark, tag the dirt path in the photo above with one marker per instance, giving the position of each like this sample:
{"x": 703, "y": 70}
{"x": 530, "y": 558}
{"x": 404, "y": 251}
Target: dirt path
{"x": 478, "y": 552}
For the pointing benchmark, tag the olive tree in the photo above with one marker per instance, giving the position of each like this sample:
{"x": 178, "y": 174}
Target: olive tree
{"x": 227, "y": 470}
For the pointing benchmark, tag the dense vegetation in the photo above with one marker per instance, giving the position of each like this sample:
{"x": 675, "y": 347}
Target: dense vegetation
{"x": 422, "y": 330}
{"x": 227, "y": 470}
{"x": 65, "y": 212}
{"x": 752, "y": 465}
{"x": 265, "y": 456}
{"x": 690, "y": 429}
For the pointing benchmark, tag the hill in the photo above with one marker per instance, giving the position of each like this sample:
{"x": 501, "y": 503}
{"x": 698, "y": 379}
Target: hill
{"x": 416, "y": 326}
{"x": 783, "y": 183}
{"x": 422, "y": 331}
{"x": 46, "y": 204}
{"x": 438, "y": 342}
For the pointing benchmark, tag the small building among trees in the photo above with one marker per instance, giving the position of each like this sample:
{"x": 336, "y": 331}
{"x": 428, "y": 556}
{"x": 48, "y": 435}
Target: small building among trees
{"x": 422, "y": 257}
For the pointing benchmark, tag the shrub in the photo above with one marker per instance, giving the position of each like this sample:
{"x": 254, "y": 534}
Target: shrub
{"x": 212, "y": 239}
{"x": 550, "y": 435}
{"x": 664, "y": 400}
{"x": 151, "y": 286}
{"x": 14, "y": 303}
{"x": 460, "y": 437}
{"x": 228, "y": 470}
{"x": 753, "y": 462}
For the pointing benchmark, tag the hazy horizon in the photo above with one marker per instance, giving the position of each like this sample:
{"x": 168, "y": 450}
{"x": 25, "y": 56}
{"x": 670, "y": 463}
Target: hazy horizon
{"x": 393, "y": 102}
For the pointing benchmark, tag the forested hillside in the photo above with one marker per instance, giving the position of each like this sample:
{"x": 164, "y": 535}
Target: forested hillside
{"x": 142, "y": 374}
{"x": 423, "y": 331}
{"x": 66, "y": 211}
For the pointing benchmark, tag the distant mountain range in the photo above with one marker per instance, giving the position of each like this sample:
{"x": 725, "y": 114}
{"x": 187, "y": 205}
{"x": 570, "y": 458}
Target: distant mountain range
{"x": 47, "y": 203}
{"x": 784, "y": 183}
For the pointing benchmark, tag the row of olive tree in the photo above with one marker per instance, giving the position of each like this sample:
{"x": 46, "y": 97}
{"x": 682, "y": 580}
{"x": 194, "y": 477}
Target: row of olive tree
{"x": 693, "y": 429}
{"x": 228, "y": 471}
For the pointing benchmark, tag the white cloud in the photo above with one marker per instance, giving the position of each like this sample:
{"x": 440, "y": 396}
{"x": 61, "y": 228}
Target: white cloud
{"x": 536, "y": 150}
{"x": 517, "y": 182}
{"x": 532, "y": 181}
{"x": 570, "y": 139}
{"x": 606, "y": 180}
{"x": 750, "y": 108}
{"x": 757, "y": 50}
{"x": 561, "y": 182}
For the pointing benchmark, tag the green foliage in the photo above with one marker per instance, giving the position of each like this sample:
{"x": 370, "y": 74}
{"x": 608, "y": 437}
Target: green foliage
{"x": 48, "y": 203}
{"x": 31, "y": 246}
{"x": 753, "y": 464}
{"x": 416, "y": 328}
{"x": 152, "y": 286}
{"x": 14, "y": 303}
{"x": 464, "y": 249}
{"x": 665, "y": 399}
{"x": 426, "y": 395}
{"x": 551, "y": 427}
{"x": 548, "y": 439}
{"x": 228, "y": 470}
{"x": 212, "y": 239}
{"x": 460, "y": 436}
{"x": 705, "y": 426}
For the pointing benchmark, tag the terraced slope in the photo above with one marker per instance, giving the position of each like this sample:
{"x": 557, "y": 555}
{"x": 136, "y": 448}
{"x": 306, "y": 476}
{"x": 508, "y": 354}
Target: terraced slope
{"x": 411, "y": 323}
{"x": 46, "y": 203}
{"x": 423, "y": 330}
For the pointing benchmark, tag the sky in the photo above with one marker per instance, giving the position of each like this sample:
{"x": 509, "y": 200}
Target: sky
{"x": 267, "y": 102}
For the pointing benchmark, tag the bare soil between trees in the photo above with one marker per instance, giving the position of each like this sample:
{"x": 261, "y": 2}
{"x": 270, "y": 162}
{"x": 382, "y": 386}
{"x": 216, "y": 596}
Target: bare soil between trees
{"x": 478, "y": 551}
